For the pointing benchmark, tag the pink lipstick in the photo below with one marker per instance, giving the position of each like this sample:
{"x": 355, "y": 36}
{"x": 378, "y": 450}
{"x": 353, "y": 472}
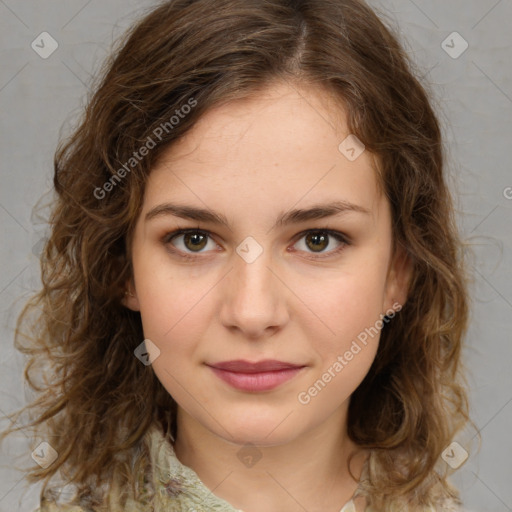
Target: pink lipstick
{"x": 258, "y": 376}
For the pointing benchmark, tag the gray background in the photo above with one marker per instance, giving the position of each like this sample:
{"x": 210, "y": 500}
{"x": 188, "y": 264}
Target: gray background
{"x": 40, "y": 98}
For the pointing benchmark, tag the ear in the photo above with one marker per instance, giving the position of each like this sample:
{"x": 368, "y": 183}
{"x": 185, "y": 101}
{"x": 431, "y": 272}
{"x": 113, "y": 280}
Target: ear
{"x": 130, "y": 299}
{"x": 398, "y": 278}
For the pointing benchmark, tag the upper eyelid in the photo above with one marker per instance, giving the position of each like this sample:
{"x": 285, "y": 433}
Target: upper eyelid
{"x": 182, "y": 231}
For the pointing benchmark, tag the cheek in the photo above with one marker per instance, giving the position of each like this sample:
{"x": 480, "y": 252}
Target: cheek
{"x": 173, "y": 318}
{"x": 344, "y": 306}
{"x": 174, "y": 307}
{"x": 170, "y": 297}
{"x": 349, "y": 308}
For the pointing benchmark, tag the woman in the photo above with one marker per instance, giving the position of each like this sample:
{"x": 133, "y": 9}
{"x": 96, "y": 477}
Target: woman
{"x": 254, "y": 296}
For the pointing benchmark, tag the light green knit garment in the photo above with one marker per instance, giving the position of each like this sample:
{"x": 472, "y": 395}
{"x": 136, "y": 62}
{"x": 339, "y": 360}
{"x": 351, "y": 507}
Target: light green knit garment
{"x": 177, "y": 488}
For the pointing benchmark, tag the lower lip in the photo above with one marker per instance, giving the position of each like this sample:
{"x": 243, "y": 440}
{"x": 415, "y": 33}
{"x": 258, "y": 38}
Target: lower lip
{"x": 262, "y": 381}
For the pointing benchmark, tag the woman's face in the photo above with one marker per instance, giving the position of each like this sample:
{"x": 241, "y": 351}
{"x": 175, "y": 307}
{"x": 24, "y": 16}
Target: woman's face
{"x": 273, "y": 282}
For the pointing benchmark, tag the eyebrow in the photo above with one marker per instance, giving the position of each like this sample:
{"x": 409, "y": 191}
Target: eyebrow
{"x": 318, "y": 211}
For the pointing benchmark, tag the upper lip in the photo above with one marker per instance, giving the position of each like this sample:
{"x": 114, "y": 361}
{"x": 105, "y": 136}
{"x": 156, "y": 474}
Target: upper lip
{"x": 242, "y": 366}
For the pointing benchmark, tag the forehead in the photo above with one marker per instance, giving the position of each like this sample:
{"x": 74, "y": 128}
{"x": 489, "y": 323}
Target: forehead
{"x": 281, "y": 118}
{"x": 281, "y": 146}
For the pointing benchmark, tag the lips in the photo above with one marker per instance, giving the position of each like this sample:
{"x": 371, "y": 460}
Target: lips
{"x": 255, "y": 377}
{"x": 241, "y": 366}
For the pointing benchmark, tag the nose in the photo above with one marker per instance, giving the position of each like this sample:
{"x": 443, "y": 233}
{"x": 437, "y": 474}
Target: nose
{"x": 254, "y": 298}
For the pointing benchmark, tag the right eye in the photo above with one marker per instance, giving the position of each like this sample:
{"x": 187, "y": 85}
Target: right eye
{"x": 188, "y": 241}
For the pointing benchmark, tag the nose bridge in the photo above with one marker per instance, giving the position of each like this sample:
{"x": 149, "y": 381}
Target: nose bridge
{"x": 254, "y": 298}
{"x": 253, "y": 276}
{"x": 253, "y": 280}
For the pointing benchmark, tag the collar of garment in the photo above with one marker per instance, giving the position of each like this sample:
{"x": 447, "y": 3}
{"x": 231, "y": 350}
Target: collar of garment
{"x": 175, "y": 482}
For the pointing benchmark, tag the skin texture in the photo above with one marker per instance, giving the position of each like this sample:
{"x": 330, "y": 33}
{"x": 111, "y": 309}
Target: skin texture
{"x": 252, "y": 160}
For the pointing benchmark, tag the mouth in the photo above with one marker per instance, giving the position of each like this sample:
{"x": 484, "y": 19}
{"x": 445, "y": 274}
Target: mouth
{"x": 258, "y": 376}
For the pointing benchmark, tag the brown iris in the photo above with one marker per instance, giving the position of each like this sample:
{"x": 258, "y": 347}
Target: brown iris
{"x": 320, "y": 241}
{"x": 198, "y": 240}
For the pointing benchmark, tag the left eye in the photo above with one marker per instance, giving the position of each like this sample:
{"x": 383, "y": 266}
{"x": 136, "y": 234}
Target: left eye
{"x": 318, "y": 241}
{"x": 194, "y": 241}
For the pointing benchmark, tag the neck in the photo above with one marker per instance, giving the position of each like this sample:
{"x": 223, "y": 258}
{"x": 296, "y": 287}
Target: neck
{"x": 310, "y": 472}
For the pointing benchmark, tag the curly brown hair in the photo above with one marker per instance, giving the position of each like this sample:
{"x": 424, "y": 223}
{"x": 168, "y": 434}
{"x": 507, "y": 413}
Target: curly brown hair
{"x": 95, "y": 400}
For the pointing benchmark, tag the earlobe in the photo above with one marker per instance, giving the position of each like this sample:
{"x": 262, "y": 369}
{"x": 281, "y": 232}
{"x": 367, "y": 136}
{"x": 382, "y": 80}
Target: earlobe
{"x": 399, "y": 278}
{"x": 130, "y": 299}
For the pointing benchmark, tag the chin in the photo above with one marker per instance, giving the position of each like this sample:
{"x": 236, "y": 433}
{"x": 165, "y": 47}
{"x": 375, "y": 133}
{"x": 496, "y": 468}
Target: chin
{"x": 262, "y": 431}
{"x": 258, "y": 436}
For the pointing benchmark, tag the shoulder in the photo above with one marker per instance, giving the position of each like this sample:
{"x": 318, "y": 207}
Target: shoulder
{"x": 129, "y": 506}
{"x": 54, "y": 507}
{"x": 446, "y": 506}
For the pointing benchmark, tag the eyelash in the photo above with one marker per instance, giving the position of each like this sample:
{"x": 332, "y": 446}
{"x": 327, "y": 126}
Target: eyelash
{"x": 340, "y": 237}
